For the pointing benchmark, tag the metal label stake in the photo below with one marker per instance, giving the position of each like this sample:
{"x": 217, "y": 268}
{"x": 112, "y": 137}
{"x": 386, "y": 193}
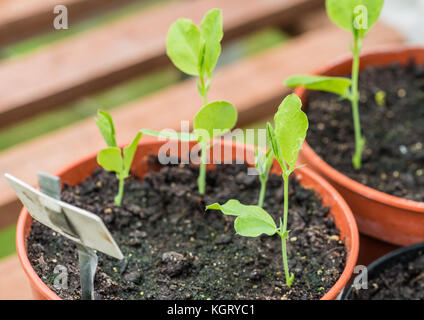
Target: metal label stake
{"x": 81, "y": 226}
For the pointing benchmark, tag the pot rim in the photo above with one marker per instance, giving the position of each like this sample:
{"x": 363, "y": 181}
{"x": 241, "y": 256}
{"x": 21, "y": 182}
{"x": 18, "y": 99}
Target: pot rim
{"x": 337, "y": 176}
{"x": 382, "y": 261}
{"x": 333, "y": 293}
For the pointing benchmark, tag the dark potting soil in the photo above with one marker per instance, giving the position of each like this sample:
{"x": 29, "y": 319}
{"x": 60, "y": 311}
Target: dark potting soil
{"x": 393, "y": 158}
{"x": 174, "y": 250}
{"x": 401, "y": 279}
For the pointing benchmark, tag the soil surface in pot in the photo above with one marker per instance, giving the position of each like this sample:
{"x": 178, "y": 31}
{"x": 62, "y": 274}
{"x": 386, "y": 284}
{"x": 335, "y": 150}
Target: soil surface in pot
{"x": 174, "y": 250}
{"x": 393, "y": 158}
{"x": 401, "y": 279}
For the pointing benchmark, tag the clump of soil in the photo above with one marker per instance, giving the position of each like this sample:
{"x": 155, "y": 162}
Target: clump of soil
{"x": 393, "y": 159}
{"x": 401, "y": 279}
{"x": 174, "y": 250}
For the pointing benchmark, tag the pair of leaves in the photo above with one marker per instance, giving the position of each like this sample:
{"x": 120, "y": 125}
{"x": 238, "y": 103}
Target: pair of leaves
{"x": 252, "y": 221}
{"x": 356, "y": 16}
{"x": 212, "y": 120}
{"x": 337, "y": 85}
{"x": 291, "y": 125}
{"x": 112, "y": 158}
{"x": 195, "y": 50}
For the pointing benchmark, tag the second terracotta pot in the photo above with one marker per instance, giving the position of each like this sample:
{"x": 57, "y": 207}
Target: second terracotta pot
{"x": 379, "y": 215}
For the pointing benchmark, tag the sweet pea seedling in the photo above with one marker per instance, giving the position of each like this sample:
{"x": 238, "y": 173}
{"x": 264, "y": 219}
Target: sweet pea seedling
{"x": 212, "y": 120}
{"x": 263, "y": 164}
{"x": 112, "y": 158}
{"x": 195, "y": 51}
{"x": 357, "y": 17}
{"x": 291, "y": 125}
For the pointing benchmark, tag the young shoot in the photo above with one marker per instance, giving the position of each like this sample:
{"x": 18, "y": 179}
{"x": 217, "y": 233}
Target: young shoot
{"x": 263, "y": 164}
{"x": 291, "y": 125}
{"x": 113, "y": 158}
{"x": 211, "y": 121}
{"x": 195, "y": 51}
{"x": 357, "y": 17}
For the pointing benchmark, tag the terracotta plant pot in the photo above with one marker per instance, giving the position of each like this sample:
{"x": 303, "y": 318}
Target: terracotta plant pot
{"x": 79, "y": 171}
{"x": 379, "y": 215}
{"x": 380, "y": 264}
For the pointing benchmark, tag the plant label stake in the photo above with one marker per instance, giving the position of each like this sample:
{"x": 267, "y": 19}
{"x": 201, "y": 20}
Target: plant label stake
{"x": 86, "y": 229}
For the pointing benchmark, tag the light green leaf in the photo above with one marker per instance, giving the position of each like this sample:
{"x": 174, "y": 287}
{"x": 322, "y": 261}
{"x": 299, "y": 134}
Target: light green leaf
{"x": 182, "y": 136}
{"x": 354, "y": 15}
{"x": 107, "y": 129}
{"x": 129, "y": 153}
{"x": 275, "y": 145}
{"x": 251, "y": 221}
{"x": 183, "y": 46}
{"x": 111, "y": 159}
{"x": 291, "y": 125}
{"x": 214, "y": 119}
{"x": 337, "y": 85}
{"x": 211, "y": 30}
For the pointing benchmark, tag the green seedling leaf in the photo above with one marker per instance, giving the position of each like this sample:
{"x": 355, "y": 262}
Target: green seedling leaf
{"x": 275, "y": 145}
{"x": 252, "y": 221}
{"x": 337, "y": 85}
{"x": 291, "y": 125}
{"x": 356, "y": 16}
{"x": 111, "y": 159}
{"x": 129, "y": 153}
{"x": 211, "y": 30}
{"x": 183, "y": 46}
{"x": 107, "y": 129}
{"x": 182, "y": 136}
{"x": 380, "y": 98}
{"x": 213, "y": 120}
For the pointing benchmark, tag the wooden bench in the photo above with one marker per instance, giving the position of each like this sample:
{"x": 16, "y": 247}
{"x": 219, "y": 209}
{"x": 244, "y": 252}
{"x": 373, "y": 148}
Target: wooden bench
{"x": 120, "y": 50}
{"x": 22, "y": 18}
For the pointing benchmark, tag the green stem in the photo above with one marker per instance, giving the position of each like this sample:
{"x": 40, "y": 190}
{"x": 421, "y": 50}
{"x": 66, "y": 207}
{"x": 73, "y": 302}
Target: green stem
{"x": 283, "y": 232}
{"x": 204, "y": 91}
{"x": 201, "y": 180}
{"x": 119, "y": 196}
{"x": 359, "y": 140}
{"x": 262, "y": 192}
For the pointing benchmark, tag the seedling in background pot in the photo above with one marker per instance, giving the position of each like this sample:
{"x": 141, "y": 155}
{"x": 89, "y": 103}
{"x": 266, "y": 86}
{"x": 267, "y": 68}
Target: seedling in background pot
{"x": 113, "y": 158}
{"x": 263, "y": 164}
{"x": 196, "y": 51}
{"x": 357, "y": 17}
{"x": 291, "y": 125}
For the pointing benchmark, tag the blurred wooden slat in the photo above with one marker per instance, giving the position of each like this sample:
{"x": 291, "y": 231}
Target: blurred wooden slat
{"x": 254, "y": 85}
{"x": 23, "y": 18}
{"x": 120, "y": 50}
{"x": 14, "y": 284}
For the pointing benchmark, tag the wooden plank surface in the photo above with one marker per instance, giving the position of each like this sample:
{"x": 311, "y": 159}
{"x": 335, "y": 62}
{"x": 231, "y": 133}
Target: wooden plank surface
{"x": 14, "y": 284}
{"x": 22, "y": 18}
{"x": 120, "y": 50}
{"x": 254, "y": 85}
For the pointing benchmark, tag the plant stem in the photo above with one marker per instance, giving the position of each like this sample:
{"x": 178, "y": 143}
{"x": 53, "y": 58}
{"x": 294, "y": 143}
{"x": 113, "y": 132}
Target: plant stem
{"x": 359, "y": 140}
{"x": 119, "y": 196}
{"x": 283, "y": 232}
{"x": 204, "y": 91}
{"x": 262, "y": 192}
{"x": 201, "y": 180}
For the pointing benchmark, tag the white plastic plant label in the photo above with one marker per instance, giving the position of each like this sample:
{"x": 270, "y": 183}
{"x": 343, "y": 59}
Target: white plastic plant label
{"x": 86, "y": 228}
